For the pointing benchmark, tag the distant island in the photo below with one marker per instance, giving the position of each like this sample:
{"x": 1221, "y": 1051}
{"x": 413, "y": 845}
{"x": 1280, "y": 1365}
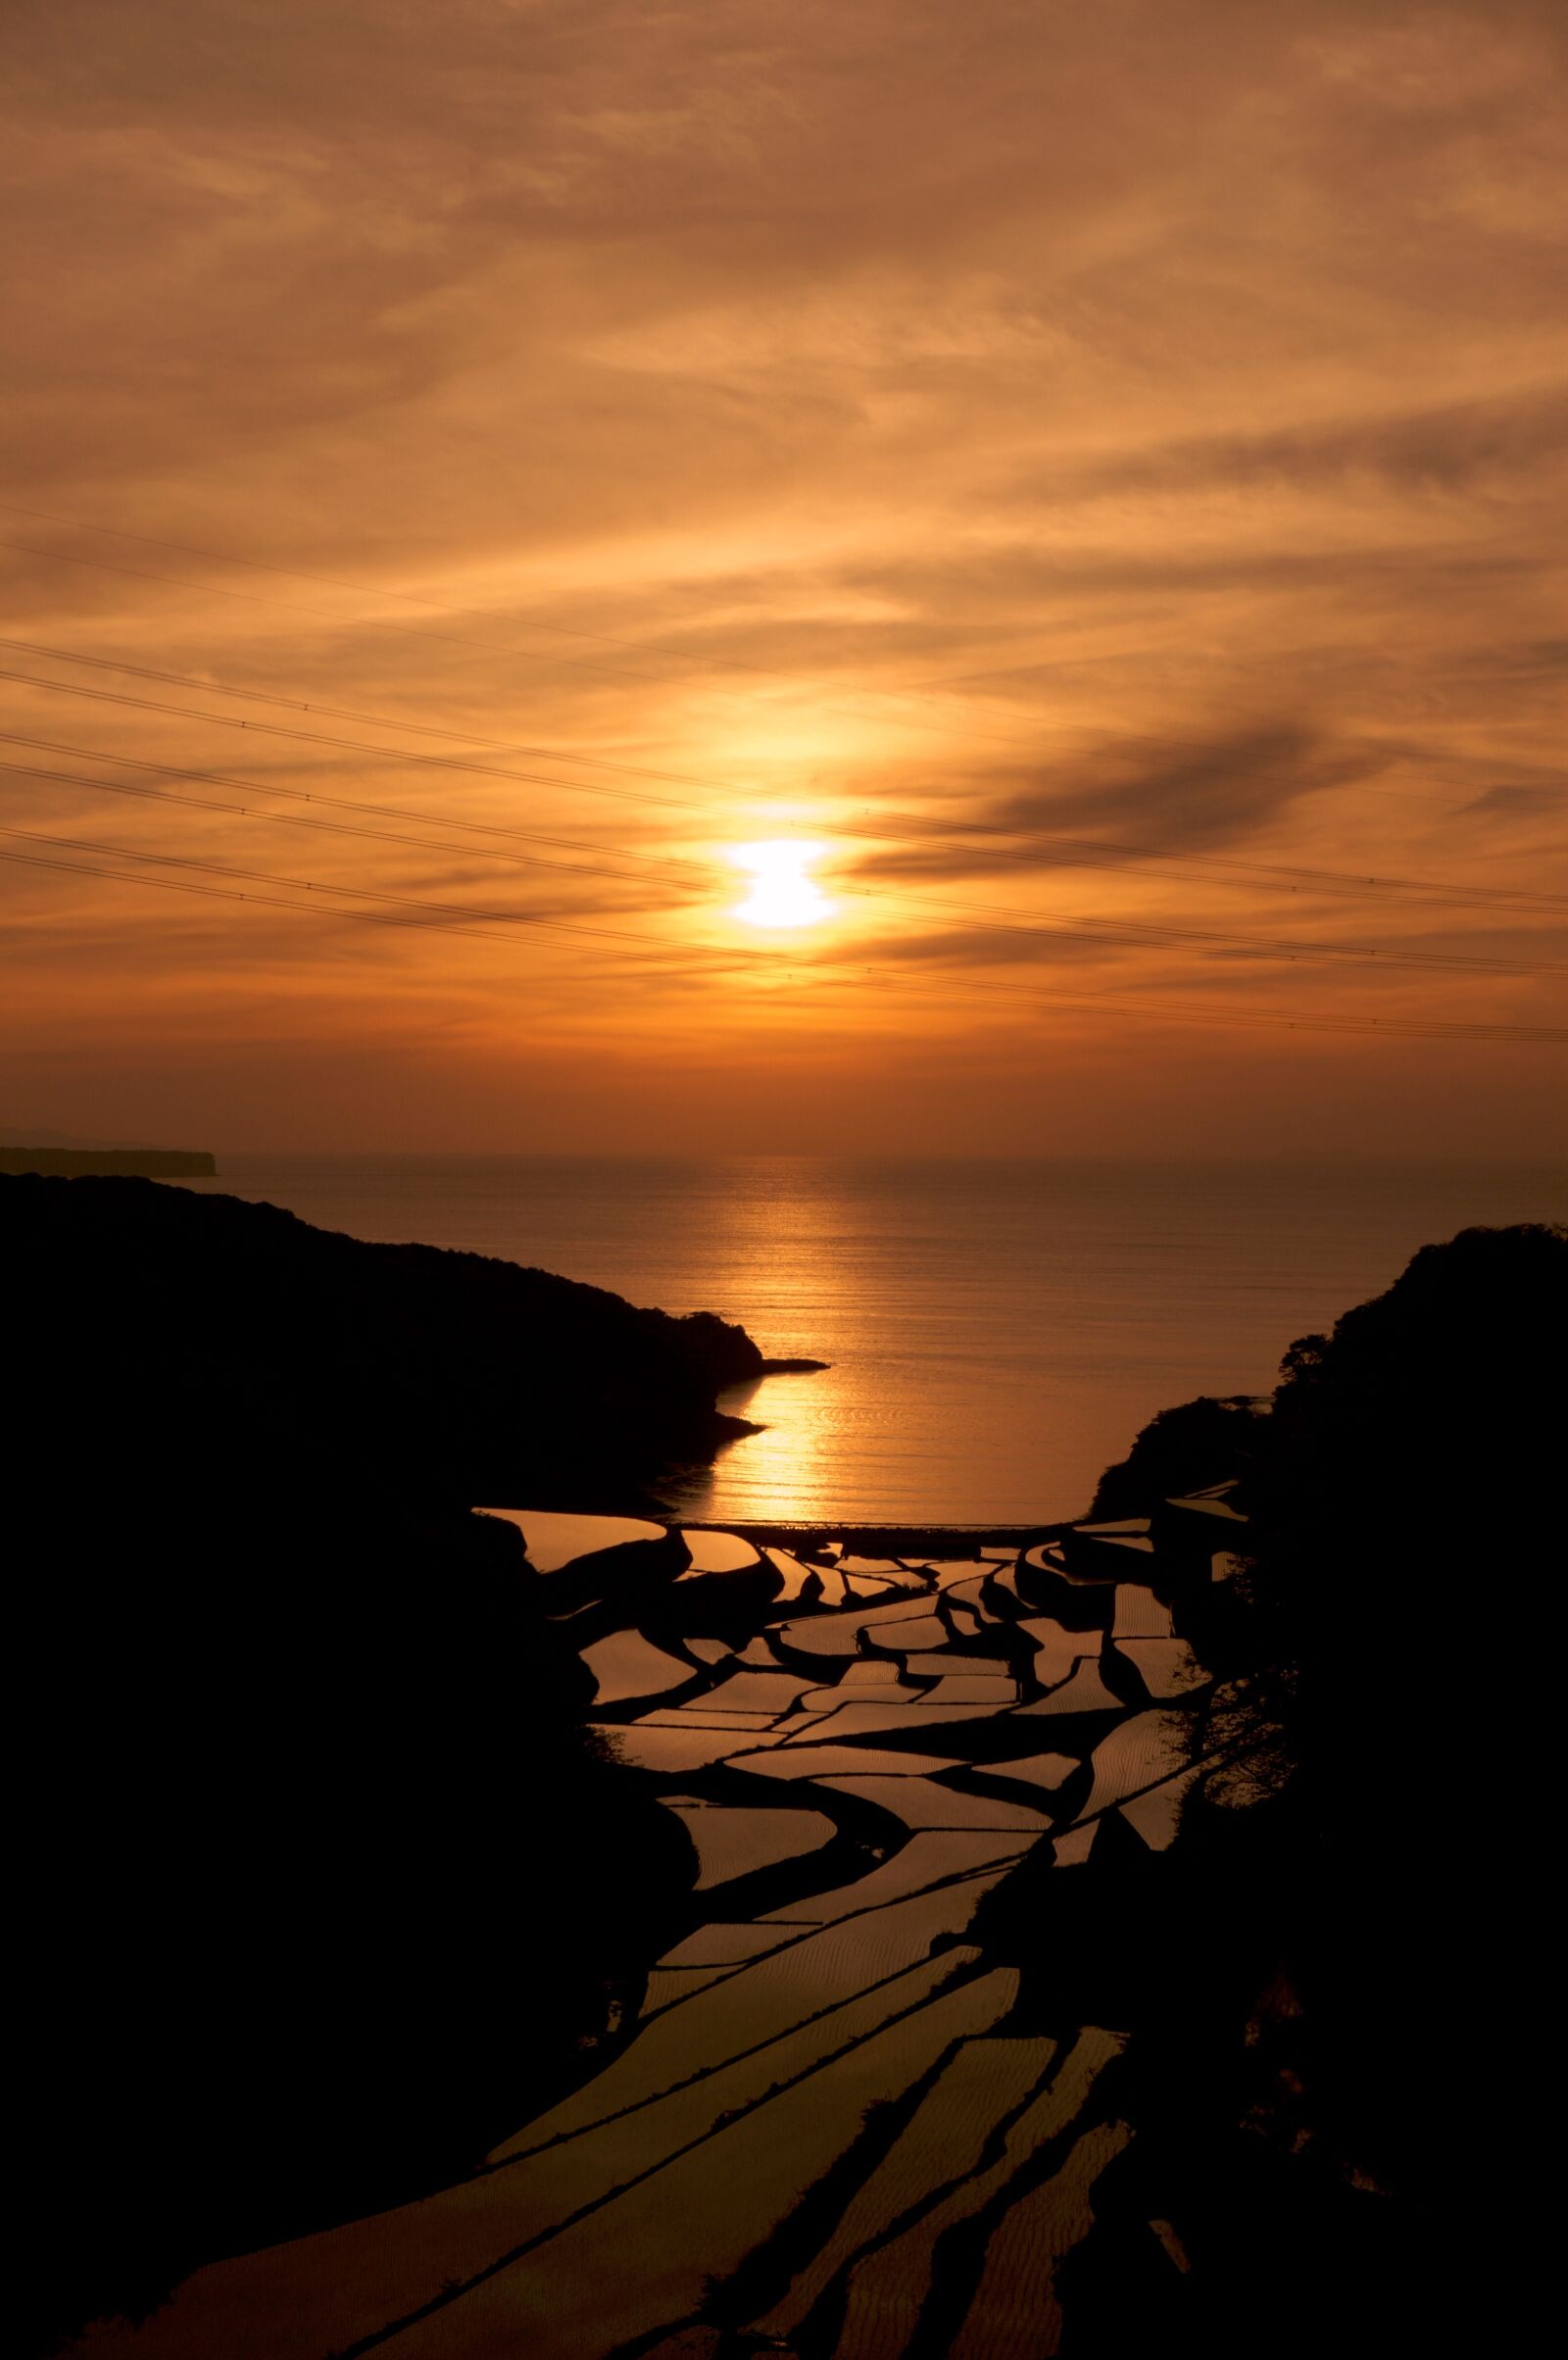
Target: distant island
{"x": 121, "y": 1163}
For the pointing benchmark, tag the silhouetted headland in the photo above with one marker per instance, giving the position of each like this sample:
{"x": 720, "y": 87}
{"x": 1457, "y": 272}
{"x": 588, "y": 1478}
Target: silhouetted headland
{"x": 325, "y": 1882}
{"x": 1125, "y": 1937}
{"x": 241, "y": 1336}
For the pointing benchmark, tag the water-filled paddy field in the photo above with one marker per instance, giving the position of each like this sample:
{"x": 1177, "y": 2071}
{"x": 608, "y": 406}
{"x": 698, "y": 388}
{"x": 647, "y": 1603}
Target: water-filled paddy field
{"x": 827, "y": 2125}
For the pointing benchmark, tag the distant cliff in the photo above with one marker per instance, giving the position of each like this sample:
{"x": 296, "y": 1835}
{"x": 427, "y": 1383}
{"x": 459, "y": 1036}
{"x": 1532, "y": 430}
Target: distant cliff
{"x": 132, "y": 1163}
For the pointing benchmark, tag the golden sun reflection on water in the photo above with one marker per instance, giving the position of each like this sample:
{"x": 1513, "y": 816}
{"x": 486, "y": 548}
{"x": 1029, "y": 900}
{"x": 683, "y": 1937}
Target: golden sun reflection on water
{"x": 787, "y": 1247}
{"x": 784, "y": 1463}
{"x": 998, "y": 1330}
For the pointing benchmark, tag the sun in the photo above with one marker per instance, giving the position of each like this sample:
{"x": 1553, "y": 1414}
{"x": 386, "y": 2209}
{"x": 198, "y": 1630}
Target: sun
{"x": 781, "y": 894}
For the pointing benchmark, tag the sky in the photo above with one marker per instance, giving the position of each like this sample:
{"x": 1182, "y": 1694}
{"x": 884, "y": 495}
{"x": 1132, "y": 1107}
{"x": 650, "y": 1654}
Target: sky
{"x": 1087, "y": 483}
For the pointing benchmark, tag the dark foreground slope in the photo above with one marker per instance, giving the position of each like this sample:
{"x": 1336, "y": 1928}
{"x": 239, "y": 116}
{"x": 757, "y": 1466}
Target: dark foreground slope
{"x": 1346, "y": 2025}
{"x": 1033, "y": 1998}
{"x": 320, "y": 1881}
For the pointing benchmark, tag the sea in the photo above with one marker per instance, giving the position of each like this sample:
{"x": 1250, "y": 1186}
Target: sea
{"x": 996, "y": 1332}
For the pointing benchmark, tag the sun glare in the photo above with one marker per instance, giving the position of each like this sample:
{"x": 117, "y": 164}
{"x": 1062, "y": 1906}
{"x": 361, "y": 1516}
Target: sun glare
{"x": 781, "y": 894}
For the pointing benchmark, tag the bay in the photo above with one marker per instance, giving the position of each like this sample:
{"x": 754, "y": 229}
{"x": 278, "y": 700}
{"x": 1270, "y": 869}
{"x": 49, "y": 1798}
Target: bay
{"x": 998, "y": 1330}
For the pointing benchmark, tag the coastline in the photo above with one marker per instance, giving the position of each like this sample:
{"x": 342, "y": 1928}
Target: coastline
{"x": 877, "y": 1539}
{"x": 998, "y": 1334}
{"x": 744, "y": 1832}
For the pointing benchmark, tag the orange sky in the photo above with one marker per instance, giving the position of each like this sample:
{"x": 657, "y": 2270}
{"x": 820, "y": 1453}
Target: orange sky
{"x": 1080, "y": 469}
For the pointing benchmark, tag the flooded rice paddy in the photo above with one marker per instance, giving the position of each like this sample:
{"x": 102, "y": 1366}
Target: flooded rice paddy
{"x": 825, "y": 2128}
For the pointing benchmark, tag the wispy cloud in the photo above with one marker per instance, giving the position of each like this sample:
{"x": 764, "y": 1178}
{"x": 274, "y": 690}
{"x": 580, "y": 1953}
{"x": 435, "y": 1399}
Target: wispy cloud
{"x": 1145, "y": 424}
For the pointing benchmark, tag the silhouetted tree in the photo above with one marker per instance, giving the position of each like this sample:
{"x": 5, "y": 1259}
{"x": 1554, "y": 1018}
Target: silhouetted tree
{"x": 1342, "y": 1998}
{"x": 1211, "y": 1439}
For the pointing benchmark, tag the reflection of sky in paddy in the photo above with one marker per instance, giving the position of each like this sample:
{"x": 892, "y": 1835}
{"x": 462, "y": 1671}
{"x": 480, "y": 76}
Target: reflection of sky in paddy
{"x": 862, "y": 1978}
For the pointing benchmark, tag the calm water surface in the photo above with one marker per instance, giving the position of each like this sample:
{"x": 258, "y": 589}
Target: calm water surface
{"x": 998, "y": 1331}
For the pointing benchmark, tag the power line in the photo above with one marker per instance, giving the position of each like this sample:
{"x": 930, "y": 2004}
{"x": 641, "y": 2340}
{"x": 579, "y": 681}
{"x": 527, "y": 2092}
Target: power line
{"x": 644, "y": 647}
{"x": 462, "y": 913}
{"x": 200, "y": 803}
{"x": 312, "y": 909}
{"x": 378, "y": 811}
{"x": 262, "y": 696}
{"x": 1128, "y": 932}
{"x": 1072, "y": 850}
{"x": 1082, "y": 852}
{"x": 315, "y": 737}
{"x": 966, "y": 731}
{"x": 764, "y": 672}
{"x": 1117, "y": 929}
{"x": 1134, "y": 930}
{"x": 1271, "y": 1020}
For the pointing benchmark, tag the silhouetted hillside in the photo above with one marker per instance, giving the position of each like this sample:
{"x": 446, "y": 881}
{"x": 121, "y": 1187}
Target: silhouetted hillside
{"x": 1182, "y": 1449}
{"x": 1399, "y": 1628}
{"x": 321, "y": 1883}
{"x": 1341, "y": 2057}
{"x": 235, "y": 1335}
